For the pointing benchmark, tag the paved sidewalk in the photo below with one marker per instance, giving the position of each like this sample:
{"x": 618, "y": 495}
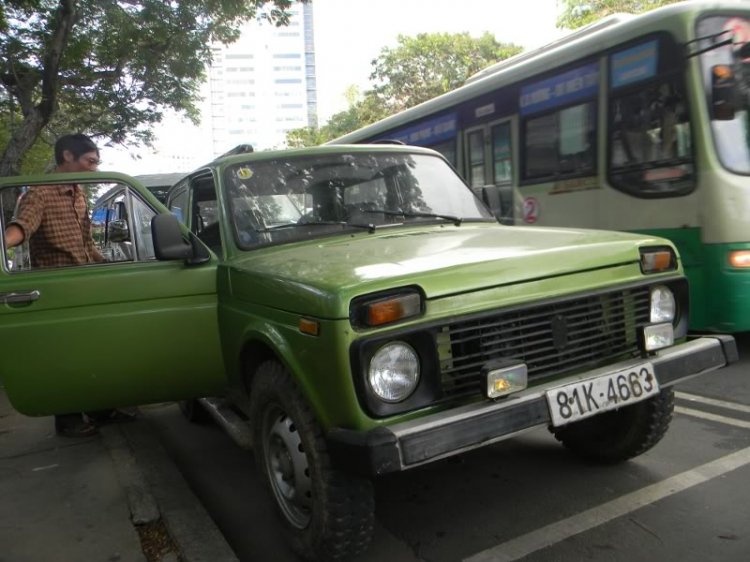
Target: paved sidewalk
{"x": 60, "y": 498}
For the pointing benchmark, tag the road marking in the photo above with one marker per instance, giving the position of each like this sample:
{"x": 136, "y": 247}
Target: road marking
{"x": 713, "y": 402}
{"x": 712, "y": 417}
{"x": 556, "y": 532}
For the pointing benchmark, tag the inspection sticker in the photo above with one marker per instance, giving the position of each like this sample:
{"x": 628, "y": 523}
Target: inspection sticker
{"x": 244, "y": 173}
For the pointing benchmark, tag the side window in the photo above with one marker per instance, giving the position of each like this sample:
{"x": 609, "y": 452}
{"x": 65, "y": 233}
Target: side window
{"x": 502, "y": 163}
{"x": 650, "y": 142}
{"x": 205, "y": 219}
{"x": 141, "y": 226}
{"x": 476, "y": 159}
{"x": 178, "y": 205}
{"x": 562, "y": 143}
{"x": 118, "y": 241}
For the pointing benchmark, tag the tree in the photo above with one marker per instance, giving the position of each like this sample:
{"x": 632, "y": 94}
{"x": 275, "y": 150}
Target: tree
{"x": 109, "y": 67}
{"x": 423, "y": 67}
{"x": 577, "y": 13}
{"x": 418, "y": 69}
{"x": 362, "y": 111}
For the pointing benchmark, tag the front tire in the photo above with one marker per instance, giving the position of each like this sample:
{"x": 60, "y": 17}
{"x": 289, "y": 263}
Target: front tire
{"x": 622, "y": 434}
{"x": 328, "y": 514}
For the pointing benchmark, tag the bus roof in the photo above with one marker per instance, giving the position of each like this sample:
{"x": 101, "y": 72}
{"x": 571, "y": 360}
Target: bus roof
{"x": 606, "y": 33}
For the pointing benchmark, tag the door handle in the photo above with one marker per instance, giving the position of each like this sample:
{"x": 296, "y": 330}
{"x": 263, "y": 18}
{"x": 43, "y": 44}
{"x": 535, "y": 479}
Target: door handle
{"x": 21, "y": 296}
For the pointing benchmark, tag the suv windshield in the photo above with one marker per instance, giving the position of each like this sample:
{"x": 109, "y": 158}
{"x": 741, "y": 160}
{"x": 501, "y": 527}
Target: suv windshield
{"x": 732, "y": 137}
{"x": 286, "y": 199}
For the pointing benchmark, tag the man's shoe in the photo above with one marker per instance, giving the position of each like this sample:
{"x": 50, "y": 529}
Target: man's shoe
{"x": 111, "y": 416}
{"x": 81, "y": 429}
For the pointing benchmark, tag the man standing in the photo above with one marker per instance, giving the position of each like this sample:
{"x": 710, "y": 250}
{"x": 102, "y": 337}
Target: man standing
{"x": 54, "y": 220}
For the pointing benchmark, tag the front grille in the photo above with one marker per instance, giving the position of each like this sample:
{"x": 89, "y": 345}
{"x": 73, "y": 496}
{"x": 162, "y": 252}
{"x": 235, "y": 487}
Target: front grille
{"x": 552, "y": 339}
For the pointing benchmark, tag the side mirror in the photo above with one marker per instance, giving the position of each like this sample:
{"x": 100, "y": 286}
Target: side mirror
{"x": 117, "y": 231}
{"x": 491, "y": 198}
{"x": 168, "y": 241}
{"x": 723, "y": 92}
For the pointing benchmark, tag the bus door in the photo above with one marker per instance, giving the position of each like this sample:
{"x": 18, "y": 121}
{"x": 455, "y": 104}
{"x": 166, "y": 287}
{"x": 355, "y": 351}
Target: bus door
{"x": 489, "y": 163}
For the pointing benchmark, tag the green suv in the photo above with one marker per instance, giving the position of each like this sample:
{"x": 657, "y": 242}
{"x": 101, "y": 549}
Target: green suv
{"x": 351, "y": 311}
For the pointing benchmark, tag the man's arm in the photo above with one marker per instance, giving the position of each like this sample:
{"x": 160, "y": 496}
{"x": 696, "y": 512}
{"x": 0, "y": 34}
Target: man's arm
{"x": 13, "y": 236}
{"x": 28, "y": 218}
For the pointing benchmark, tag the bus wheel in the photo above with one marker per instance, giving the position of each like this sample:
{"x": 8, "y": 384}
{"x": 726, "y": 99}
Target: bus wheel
{"x": 327, "y": 514}
{"x": 622, "y": 434}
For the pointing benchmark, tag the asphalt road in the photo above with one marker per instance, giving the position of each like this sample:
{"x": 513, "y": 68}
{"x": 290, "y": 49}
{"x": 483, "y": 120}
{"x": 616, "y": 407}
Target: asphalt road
{"x": 687, "y": 500}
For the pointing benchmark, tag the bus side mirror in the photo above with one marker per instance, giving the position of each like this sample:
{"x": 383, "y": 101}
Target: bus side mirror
{"x": 168, "y": 241}
{"x": 491, "y": 198}
{"x": 723, "y": 92}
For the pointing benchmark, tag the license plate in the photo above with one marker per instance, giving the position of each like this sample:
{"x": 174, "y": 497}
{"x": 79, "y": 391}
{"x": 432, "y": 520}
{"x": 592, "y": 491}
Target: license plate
{"x": 584, "y": 399}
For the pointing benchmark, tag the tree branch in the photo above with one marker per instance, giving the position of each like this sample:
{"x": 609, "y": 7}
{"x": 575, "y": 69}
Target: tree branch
{"x": 64, "y": 20}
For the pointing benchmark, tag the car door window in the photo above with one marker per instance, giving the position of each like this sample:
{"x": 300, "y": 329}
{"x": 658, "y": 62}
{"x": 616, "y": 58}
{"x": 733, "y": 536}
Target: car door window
{"x": 62, "y": 227}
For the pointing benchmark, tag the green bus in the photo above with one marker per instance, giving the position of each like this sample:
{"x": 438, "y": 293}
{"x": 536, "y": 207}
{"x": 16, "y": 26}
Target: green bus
{"x": 636, "y": 123}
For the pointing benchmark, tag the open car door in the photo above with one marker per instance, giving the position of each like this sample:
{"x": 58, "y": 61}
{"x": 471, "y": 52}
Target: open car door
{"x": 130, "y": 330}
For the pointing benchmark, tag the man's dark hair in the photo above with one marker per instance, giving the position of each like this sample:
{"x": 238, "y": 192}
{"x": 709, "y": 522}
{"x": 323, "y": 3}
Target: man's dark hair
{"x": 78, "y": 144}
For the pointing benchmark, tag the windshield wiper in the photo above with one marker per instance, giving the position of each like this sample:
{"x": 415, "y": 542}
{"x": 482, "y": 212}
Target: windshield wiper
{"x": 316, "y": 223}
{"x": 455, "y": 220}
{"x": 667, "y": 163}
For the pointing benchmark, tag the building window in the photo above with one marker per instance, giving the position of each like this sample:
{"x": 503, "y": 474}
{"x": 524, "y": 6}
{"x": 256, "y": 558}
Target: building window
{"x": 287, "y": 56}
{"x": 290, "y": 106}
{"x": 238, "y": 57}
{"x": 287, "y": 68}
{"x": 288, "y": 81}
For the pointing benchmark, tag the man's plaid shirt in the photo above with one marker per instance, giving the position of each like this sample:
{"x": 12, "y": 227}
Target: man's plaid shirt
{"x": 55, "y": 222}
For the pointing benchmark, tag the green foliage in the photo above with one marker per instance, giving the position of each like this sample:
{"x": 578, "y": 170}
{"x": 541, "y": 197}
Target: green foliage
{"x": 107, "y": 67}
{"x": 577, "y": 13}
{"x": 418, "y": 69}
{"x": 361, "y": 112}
{"x": 430, "y": 64}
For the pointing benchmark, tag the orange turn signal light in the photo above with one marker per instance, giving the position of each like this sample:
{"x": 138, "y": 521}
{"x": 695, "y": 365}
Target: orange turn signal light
{"x": 739, "y": 259}
{"x": 309, "y": 326}
{"x": 656, "y": 261}
{"x": 391, "y": 310}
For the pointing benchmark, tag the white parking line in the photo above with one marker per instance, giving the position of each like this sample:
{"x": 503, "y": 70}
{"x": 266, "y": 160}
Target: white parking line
{"x": 556, "y": 532}
{"x": 712, "y": 417}
{"x": 713, "y": 402}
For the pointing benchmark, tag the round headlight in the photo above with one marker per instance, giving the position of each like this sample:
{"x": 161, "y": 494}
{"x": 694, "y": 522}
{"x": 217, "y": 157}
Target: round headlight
{"x": 663, "y": 307}
{"x": 394, "y": 372}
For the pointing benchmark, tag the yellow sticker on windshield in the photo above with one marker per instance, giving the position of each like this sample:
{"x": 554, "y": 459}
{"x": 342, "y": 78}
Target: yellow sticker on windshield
{"x": 244, "y": 173}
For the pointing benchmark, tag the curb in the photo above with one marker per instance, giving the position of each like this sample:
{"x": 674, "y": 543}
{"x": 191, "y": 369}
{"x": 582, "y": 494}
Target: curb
{"x": 155, "y": 489}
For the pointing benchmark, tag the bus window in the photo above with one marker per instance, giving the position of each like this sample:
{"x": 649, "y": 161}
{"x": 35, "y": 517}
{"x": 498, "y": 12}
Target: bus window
{"x": 561, "y": 143}
{"x": 447, "y": 149}
{"x": 651, "y": 152}
{"x": 476, "y": 159}
{"x": 501, "y": 153}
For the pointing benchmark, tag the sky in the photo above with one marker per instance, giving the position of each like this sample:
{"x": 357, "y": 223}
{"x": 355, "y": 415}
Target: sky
{"x": 349, "y": 34}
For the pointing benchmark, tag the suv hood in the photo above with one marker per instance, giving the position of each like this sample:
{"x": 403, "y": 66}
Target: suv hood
{"x": 320, "y": 278}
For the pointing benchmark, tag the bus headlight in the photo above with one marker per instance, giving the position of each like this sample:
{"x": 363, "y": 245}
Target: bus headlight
{"x": 663, "y": 306}
{"x": 394, "y": 372}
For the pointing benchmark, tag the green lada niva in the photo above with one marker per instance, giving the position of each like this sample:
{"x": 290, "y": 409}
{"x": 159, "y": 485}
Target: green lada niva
{"x": 351, "y": 311}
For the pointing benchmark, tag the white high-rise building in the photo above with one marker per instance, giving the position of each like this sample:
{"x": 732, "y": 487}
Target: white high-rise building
{"x": 263, "y": 85}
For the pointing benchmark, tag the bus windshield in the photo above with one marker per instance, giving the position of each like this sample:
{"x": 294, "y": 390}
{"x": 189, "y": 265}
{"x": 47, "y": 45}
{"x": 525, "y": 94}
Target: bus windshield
{"x": 283, "y": 199}
{"x": 732, "y": 137}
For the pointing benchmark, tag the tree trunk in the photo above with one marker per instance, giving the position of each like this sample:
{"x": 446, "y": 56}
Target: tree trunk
{"x": 20, "y": 142}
